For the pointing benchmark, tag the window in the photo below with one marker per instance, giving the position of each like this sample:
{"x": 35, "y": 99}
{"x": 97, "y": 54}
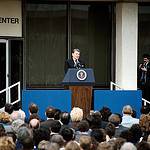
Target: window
{"x": 51, "y": 27}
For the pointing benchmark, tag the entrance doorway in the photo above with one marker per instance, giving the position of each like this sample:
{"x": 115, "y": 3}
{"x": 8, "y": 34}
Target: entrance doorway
{"x": 10, "y": 68}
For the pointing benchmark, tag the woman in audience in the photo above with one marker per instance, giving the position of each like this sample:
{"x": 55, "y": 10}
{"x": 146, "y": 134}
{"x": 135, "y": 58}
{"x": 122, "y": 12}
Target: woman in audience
{"x": 76, "y": 115}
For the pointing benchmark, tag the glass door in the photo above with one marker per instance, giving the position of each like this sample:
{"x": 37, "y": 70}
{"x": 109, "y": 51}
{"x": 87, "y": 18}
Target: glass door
{"x": 10, "y": 68}
{"x": 3, "y": 70}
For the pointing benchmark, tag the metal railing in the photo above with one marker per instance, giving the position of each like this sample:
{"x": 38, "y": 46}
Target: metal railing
{"x": 8, "y": 94}
{"x": 145, "y": 101}
{"x": 112, "y": 84}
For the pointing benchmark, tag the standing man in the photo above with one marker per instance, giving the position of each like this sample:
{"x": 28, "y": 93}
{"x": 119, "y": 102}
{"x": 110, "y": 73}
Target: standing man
{"x": 144, "y": 76}
{"x": 75, "y": 61}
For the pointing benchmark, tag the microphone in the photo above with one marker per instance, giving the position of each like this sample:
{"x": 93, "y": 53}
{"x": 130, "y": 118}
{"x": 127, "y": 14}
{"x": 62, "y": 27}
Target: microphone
{"x": 78, "y": 65}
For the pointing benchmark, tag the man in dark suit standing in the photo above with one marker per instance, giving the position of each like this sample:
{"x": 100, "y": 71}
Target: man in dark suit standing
{"x": 144, "y": 76}
{"x": 75, "y": 61}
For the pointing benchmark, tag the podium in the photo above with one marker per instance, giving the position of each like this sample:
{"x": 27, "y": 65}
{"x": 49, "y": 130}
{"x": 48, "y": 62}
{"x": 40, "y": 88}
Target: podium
{"x": 80, "y": 82}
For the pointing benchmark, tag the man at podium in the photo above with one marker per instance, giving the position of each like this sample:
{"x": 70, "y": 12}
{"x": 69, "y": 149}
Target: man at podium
{"x": 75, "y": 61}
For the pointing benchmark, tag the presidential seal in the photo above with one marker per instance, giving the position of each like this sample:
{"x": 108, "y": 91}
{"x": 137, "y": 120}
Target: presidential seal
{"x": 81, "y": 75}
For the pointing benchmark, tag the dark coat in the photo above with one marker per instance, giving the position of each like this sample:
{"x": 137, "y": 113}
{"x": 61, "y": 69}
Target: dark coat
{"x": 70, "y": 64}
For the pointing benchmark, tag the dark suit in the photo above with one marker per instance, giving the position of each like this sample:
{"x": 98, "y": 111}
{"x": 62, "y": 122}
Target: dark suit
{"x": 71, "y": 64}
{"x": 47, "y": 123}
{"x": 119, "y": 129}
{"x": 144, "y": 84}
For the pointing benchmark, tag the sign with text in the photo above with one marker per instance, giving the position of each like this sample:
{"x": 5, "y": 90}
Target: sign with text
{"x": 10, "y": 18}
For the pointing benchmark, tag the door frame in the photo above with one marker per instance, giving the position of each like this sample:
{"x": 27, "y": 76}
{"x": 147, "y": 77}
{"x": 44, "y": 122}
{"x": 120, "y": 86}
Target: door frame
{"x": 7, "y": 66}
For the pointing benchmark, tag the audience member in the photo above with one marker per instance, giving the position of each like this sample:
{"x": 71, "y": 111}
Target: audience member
{"x": 8, "y": 108}
{"x": 67, "y": 134}
{"x": 82, "y": 129}
{"x": 58, "y": 139}
{"x": 85, "y": 142}
{"x": 127, "y": 119}
{"x": 50, "y": 112}
{"x": 55, "y": 127}
{"x": 105, "y": 146}
{"x": 136, "y": 133}
{"x": 110, "y": 131}
{"x": 94, "y": 120}
{"x": 99, "y": 135}
{"x": 143, "y": 146}
{"x": 34, "y": 124}
{"x": 105, "y": 112}
{"x": 6, "y": 143}
{"x": 128, "y": 146}
{"x": 33, "y": 108}
{"x": 65, "y": 118}
{"x": 76, "y": 115}
{"x": 40, "y": 134}
{"x": 72, "y": 145}
{"x": 116, "y": 120}
{"x": 43, "y": 145}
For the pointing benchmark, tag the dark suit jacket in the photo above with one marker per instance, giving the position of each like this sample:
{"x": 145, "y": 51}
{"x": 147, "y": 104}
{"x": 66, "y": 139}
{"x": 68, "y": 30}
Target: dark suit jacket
{"x": 70, "y": 64}
{"x": 119, "y": 129}
{"x": 47, "y": 123}
{"x": 147, "y": 75}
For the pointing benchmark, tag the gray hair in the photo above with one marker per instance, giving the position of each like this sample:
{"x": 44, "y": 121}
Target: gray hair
{"x": 128, "y": 146}
{"x": 127, "y": 109}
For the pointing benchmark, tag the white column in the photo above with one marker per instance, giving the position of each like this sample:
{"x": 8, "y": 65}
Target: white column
{"x": 126, "y": 45}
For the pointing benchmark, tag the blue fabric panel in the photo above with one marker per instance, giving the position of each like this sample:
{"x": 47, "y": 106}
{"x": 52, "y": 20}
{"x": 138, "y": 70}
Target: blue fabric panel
{"x": 115, "y": 100}
{"x": 43, "y": 98}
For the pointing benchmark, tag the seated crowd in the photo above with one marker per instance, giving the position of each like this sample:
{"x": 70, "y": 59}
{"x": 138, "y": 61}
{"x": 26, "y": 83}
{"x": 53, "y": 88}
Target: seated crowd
{"x": 100, "y": 130}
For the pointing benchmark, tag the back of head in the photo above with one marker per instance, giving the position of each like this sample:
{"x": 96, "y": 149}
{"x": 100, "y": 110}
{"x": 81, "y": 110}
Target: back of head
{"x": 136, "y": 132}
{"x": 128, "y": 146}
{"x": 144, "y": 123}
{"x": 114, "y": 119}
{"x": 50, "y": 112}
{"x": 33, "y": 108}
{"x": 65, "y": 118}
{"x": 105, "y": 112}
{"x": 9, "y": 108}
{"x": 95, "y": 120}
{"x": 27, "y": 143}
{"x": 55, "y": 126}
{"x": 72, "y": 146}
{"x": 99, "y": 135}
{"x": 145, "y": 109}
{"x": 105, "y": 146}
{"x": 6, "y": 143}
{"x": 43, "y": 145}
{"x": 23, "y": 133}
{"x": 5, "y": 117}
{"x": 127, "y": 110}
{"x": 83, "y": 126}
{"x": 110, "y": 129}
{"x": 53, "y": 146}
{"x": 85, "y": 142}
{"x": 76, "y": 114}
{"x": 16, "y": 124}
{"x": 127, "y": 134}
{"x": 143, "y": 146}
{"x": 34, "y": 116}
{"x": 57, "y": 114}
{"x": 40, "y": 134}
{"x": 57, "y": 139}
{"x": 34, "y": 124}
{"x": 67, "y": 133}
